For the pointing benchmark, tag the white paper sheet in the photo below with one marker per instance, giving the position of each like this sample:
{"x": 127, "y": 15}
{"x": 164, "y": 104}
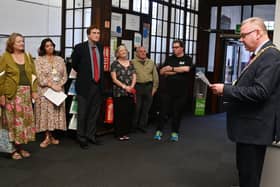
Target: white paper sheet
{"x": 55, "y": 97}
{"x": 203, "y": 78}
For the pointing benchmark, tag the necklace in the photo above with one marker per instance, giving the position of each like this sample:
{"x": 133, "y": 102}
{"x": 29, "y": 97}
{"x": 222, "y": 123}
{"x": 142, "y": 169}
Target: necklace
{"x": 54, "y": 72}
{"x": 261, "y": 52}
{"x": 124, "y": 63}
{"x": 253, "y": 60}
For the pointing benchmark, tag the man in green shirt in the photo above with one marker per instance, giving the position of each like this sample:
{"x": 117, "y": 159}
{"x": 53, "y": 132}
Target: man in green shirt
{"x": 146, "y": 85}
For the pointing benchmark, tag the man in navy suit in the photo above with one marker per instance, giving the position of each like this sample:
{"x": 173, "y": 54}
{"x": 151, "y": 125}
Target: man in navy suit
{"x": 87, "y": 61}
{"x": 253, "y": 102}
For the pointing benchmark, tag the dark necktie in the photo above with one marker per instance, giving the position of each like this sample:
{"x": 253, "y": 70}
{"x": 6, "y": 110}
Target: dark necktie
{"x": 251, "y": 58}
{"x": 95, "y": 65}
{"x": 248, "y": 63}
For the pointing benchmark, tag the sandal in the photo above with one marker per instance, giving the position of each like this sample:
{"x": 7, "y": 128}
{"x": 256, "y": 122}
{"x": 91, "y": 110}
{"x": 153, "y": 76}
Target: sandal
{"x": 24, "y": 154}
{"x": 45, "y": 143}
{"x": 54, "y": 141}
{"x": 16, "y": 156}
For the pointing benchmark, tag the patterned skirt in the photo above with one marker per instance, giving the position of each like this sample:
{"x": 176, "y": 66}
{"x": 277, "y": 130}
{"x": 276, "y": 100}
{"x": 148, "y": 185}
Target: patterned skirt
{"x": 18, "y": 117}
{"x": 49, "y": 116}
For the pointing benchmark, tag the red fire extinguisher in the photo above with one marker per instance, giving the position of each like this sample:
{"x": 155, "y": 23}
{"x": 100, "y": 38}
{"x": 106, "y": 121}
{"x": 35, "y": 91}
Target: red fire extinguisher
{"x": 109, "y": 111}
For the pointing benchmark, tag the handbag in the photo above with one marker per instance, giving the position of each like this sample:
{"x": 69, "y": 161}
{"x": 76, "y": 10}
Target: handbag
{"x": 5, "y": 145}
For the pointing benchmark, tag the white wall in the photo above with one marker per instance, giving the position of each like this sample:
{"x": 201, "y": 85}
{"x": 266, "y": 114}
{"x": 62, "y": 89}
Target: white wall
{"x": 30, "y": 20}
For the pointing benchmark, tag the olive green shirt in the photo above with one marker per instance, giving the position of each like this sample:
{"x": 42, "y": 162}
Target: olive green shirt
{"x": 10, "y": 74}
{"x": 146, "y": 71}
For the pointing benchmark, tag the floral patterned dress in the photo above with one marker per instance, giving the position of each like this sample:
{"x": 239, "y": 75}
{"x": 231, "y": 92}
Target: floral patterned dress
{"x": 18, "y": 112}
{"x": 48, "y": 116}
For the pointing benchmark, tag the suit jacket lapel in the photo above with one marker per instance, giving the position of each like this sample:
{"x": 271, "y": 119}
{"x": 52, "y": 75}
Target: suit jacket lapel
{"x": 268, "y": 43}
{"x": 87, "y": 53}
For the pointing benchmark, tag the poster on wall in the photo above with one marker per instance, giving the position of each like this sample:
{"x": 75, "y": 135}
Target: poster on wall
{"x": 128, "y": 44}
{"x": 113, "y": 47}
{"x": 132, "y": 22}
{"x": 106, "y": 54}
{"x": 146, "y": 34}
{"x": 116, "y": 24}
{"x": 137, "y": 39}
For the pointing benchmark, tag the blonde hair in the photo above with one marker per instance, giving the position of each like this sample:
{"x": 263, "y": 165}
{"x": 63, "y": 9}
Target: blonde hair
{"x": 259, "y": 22}
{"x": 118, "y": 49}
{"x": 11, "y": 41}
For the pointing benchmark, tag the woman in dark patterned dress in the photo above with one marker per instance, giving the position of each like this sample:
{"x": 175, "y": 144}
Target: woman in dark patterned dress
{"x": 124, "y": 79}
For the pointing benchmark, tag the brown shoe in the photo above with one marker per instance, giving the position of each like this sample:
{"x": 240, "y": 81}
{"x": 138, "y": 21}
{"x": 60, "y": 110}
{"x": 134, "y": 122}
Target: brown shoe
{"x": 24, "y": 154}
{"x": 16, "y": 156}
{"x": 54, "y": 141}
{"x": 45, "y": 143}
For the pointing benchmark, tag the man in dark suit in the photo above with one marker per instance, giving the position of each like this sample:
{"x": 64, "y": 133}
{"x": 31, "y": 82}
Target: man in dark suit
{"x": 253, "y": 102}
{"x": 87, "y": 61}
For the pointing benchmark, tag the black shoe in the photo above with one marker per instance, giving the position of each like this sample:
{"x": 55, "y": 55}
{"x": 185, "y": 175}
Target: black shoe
{"x": 95, "y": 142}
{"x": 142, "y": 130}
{"x": 84, "y": 145}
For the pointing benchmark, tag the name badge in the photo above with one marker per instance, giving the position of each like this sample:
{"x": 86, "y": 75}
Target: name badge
{"x": 181, "y": 62}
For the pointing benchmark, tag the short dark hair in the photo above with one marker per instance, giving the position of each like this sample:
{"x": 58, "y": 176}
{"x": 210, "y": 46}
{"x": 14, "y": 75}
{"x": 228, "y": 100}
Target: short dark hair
{"x": 180, "y": 42}
{"x": 91, "y": 28}
{"x": 11, "y": 41}
{"x": 42, "y": 50}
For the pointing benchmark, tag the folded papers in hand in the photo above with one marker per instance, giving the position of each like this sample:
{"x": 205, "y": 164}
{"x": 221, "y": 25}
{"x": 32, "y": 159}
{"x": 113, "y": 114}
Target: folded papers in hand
{"x": 55, "y": 97}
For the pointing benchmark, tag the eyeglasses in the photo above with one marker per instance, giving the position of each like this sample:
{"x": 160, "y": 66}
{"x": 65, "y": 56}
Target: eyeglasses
{"x": 176, "y": 47}
{"x": 243, "y": 35}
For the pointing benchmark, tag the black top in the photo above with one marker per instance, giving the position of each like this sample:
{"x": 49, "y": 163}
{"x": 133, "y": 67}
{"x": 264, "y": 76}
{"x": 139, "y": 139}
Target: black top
{"x": 177, "y": 84}
{"x": 124, "y": 75}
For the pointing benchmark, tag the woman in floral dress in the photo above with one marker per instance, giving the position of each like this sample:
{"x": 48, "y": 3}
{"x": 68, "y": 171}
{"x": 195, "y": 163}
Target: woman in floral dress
{"x": 18, "y": 85}
{"x": 52, "y": 74}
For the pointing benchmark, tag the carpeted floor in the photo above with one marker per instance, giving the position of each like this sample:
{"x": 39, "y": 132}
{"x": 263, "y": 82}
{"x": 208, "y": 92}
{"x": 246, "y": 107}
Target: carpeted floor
{"x": 203, "y": 157}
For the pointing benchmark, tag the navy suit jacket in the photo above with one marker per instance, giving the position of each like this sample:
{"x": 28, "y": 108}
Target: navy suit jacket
{"x": 81, "y": 63}
{"x": 253, "y": 103}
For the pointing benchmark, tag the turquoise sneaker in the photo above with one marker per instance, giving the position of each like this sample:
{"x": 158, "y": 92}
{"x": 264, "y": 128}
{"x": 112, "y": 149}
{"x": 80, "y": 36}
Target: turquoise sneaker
{"x": 158, "y": 135}
{"x": 174, "y": 137}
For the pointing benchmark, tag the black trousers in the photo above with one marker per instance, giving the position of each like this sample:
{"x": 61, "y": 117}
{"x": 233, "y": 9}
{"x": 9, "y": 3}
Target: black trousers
{"x": 249, "y": 160}
{"x": 123, "y": 111}
{"x": 88, "y": 113}
{"x": 171, "y": 107}
{"x": 144, "y": 101}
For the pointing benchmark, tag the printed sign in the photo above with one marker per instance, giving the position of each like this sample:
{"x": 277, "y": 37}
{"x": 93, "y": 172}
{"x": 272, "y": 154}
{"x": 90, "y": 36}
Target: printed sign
{"x": 106, "y": 54}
